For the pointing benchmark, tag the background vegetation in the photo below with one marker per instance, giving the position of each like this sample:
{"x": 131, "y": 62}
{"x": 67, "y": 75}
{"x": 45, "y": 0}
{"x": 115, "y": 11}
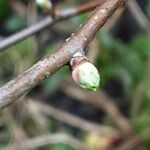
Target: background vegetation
{"x": 121, "y": 52}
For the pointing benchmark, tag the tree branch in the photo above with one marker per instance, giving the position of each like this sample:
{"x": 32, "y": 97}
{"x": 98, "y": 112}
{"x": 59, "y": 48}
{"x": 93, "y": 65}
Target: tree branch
{"x": 40, "y": 141}
{"x": 48, "y": 21}
{"x": 46, "y": 67}
{"x": 101, "y": 101}
{"x": 139, "y": 15}
{"x": 73, "y": 120}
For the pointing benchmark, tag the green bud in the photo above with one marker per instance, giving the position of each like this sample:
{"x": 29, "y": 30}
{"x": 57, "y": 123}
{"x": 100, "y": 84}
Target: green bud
{"x": 44, "y": 4}
{"x": 86, "y": 75}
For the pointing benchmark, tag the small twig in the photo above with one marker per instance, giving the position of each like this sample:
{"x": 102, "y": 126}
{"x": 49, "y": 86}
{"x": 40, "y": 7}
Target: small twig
{"x": 100, "y": 100}
{"x": 138, "y": 15}
{"x": 139, "y": 92}
{"x": 32, "y": 111}
{"x": 48, "y": 21}
{"x": 78, "y": 42}
{"x": 18, "y": 7}
{"x": 18, "y": 135}
{"x": 73, "y": 120}
{"x": 17, "y": 132}
{"x": 130, "y": 144}
{"x": 36, "y": 142}
{"x": 32, "y": 19}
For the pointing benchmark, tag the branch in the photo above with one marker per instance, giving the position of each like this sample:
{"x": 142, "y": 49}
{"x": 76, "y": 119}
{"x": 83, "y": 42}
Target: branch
{"x": 100, "y": 100}
{"x": 133, "y": 142}
{"x": 139, "y": 15}
{"x": 78, "y": 42}
{"x": 73, "y": 120}
{"x": 48, "y": 21}
{"x": 18, "y": 7}
{"x": 39, "y": 141}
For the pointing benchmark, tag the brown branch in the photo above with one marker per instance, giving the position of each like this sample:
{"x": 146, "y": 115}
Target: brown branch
{"x": 131, "y": 143}
{"x": 99, "y": 100}
{"x": 48, "y": 21}
{"x": 139, "y": 15}
{"x": 18, "y": 7}
{"x": 46, "y": 67}
{"x": 79, "y": 10}
{"x": 73, "y": 120}
{"x": 43, "y": 140}
{"x": 18, "y": 135}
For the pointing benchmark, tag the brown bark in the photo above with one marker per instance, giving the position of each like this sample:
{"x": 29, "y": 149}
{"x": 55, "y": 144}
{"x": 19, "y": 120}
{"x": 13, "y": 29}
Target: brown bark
{"x": 22, "y": 84}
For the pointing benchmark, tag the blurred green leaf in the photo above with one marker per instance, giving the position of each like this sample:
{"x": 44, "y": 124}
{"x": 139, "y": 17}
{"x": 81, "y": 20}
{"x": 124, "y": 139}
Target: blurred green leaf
{"x": 141, "y": 123}
{"x": 4, "y": 9}
{"x": 141, "y": 44}
{"x": 14, "y": 23}
{"x": 117, "y": 57}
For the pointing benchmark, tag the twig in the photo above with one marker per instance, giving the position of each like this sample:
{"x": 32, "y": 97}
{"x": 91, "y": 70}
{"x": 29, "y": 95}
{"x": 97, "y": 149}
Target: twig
{"x": 33, "y": 19}
{"x": 138, "y": 15}
{"x": 78, "y": 10}
{"x": 130, "y": 144}
{"x": 48, "y": 21}
{"x": 113, "y": 20}
{"x": 18, "y": 135}
{"x": 78, "y": 42}
{"x": 32, "y": 111}
{"x": 100, "y": 100}
{"x": 36, "y": 142}
{"x": 139, "y": 92}
{"x": 18, "y": 7}
{"x": 73, "y": 120}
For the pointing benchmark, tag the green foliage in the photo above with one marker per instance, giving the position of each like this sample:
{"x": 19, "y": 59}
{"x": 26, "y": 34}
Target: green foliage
{"x": 16, "y": 59}
{"x": 4, "y": 9}
{"x": 129, "y": 63}
{"x": 2, "y": 146}
{"x": 121, "y": 60}
{"x": 141, "y": 123}
{"x": 23, "y": 48}
{"x": 14, "y": 23}
{"x": 148, "y": 9}
{"x": 141, "y": 127}
{"x": 5, "y": 71}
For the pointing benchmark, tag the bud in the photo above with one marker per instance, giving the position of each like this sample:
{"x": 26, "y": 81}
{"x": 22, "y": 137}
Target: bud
{"x": 44, "y": 4}
{"x": 85, "y": 73}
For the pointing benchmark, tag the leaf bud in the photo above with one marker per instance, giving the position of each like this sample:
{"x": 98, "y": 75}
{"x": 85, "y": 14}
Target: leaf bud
{"x": 85, "y": 73}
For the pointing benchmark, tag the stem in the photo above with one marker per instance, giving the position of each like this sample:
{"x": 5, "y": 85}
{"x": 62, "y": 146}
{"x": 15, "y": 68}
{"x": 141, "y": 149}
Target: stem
{"x": 48, "y": 21}
{"x": 49, "y": 65}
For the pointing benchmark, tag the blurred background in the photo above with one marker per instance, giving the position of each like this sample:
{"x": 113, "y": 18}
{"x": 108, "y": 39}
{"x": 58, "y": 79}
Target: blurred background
{"x": 58, "y": 115}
